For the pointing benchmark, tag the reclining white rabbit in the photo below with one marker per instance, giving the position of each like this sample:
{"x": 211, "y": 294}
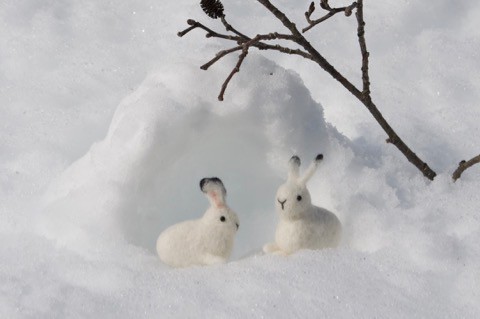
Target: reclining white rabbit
{"x": 302, "y": 225}
{"x": 205, "y": 241}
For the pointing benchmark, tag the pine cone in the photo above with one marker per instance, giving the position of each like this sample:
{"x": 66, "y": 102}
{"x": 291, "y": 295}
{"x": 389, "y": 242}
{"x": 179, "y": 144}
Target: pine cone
{"x": 213, "y": 8}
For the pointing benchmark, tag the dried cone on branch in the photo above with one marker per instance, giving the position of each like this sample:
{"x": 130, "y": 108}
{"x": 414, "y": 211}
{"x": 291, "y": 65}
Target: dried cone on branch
{"x": 213, "y": 8}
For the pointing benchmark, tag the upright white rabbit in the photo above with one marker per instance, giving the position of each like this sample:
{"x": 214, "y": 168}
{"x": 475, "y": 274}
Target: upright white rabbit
{"x": 205, "y": 241}
{"x": 302, "y": 225}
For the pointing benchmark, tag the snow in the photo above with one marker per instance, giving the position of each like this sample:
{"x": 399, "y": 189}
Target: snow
{"x": 108, "y": 125}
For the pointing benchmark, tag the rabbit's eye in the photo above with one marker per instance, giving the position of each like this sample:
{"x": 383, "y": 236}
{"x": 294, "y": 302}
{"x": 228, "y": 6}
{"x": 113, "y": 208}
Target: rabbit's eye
{"x": 299, "y": 198}
{"x": 222, "y": 219}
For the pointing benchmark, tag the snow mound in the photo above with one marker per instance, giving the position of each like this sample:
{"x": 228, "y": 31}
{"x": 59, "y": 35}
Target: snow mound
{"x": 408, "y": 250}
{"x": 170, "y": 133}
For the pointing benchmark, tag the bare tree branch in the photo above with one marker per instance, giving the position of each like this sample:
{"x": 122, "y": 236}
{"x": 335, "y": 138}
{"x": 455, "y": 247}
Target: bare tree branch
{"x": 220, "y": 55}
{"x": 463, "y": 165}
{"x": 245, "y": 47}
{"x": 228, "y": 27}
{"x": 363, "y": 48}
{"x": 244, "y": 40}
{"x": 210, "y": 33}
{"x": 307, "y": 51}
{"x": 365, "y": 99}
{"x": 236, "y": 69}
{"x": 276, "y": 47}
{"x": 331, "y": 12}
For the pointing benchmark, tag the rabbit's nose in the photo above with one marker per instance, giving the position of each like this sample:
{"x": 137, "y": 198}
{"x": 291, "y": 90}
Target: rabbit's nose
{"x": 237, "y": 225}
{"x": 282, "y": 203}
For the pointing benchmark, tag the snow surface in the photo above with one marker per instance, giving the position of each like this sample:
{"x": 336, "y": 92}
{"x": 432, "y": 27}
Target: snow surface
{"x": 108, "y": 124}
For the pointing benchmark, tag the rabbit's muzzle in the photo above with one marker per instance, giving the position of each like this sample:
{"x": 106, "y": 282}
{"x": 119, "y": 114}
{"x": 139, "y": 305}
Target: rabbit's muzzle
{"x": 282, "y": 203}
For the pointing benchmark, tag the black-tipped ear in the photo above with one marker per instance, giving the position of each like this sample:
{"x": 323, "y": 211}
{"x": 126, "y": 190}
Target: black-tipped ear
{"x": 294, "y": 168}
{"x": 203, "y": 181}
{"x": 215, "y": 191}
{"x": 319, "y": 158}
{"x": 295, "y": 160}
{"x": 207, "y": 182}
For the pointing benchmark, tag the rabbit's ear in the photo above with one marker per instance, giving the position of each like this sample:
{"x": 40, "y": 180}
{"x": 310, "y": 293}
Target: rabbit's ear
{"x": 215, "y": 191}
{"x": 311, "y": 169}
{"x": 294, "y": 168}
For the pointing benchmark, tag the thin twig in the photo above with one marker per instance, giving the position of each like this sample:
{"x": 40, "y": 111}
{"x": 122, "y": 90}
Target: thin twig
{"x": 324, "y": 64}
{"x": 463, "y": 165}
{"x": 244, "y": 43}
{"x": 229, "y": 27}
{"x": 315, "y": 22}
{"x": 363, "y": 49}
{"x": 310, "y": 11}
{"x": 276, "y": 47}
{"x": 182, "y": 33}
{"x": 245, "y": 46}
{"x": 316, "y": 56}
{"x": 243, "y": 39}
{"x": 236, "y": 69}
{"x": 247, "y": 42}
{"x": 220, "y": 55}
{"x": 331, "y": 12}
{"x": 281, "y": 16}
{"x": 210, "y": 33}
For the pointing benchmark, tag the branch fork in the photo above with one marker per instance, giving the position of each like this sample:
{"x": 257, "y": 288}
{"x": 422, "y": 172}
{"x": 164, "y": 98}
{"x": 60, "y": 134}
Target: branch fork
{"x": 244, "y": 43}
{"x": 331, "y": 12}
{"x": 303, "y": 48}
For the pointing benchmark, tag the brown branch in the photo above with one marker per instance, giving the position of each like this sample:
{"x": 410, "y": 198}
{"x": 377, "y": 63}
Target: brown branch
{"x": 236, "y": 69}
{"x": 315, "y": 22}
{"x": 280, "y": 16}
{"x": 463, "y": 165}
{"x": 210, "y": 33}
{"x": 245, "y": 47}
{"x": 182, "y": 33}
{"x": 311, "y": 53}
{"x": 276, "y": 47}
{"x": 245, "y": 43}
{"x": 331, "y": 12}
{"x": 367, "y": 101}
{"x": 243, "y": 39}
{"x": 220, "y": 55}
{"x": 316, "y": 56}
{"x": 310, "y": 11}
{"x": 229, "y": 27}
{"x": 363, "y": 49}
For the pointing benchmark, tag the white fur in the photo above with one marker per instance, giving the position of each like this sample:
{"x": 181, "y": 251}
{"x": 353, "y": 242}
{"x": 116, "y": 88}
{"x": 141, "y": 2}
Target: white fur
{"x": 302, "y": 225}
{"x": 204, "y": 241}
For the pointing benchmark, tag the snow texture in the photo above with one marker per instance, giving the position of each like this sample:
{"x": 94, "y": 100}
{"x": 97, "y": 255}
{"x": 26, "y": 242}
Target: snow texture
{"x": 108, "y": 124}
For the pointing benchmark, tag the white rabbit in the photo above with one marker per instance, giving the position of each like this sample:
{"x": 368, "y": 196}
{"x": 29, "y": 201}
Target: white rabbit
{"x": 302, "y": 225}
{"x": 205, "y": 241}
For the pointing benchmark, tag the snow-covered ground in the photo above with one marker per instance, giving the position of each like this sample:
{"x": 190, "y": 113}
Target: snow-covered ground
{"x": 108, "y": 124}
